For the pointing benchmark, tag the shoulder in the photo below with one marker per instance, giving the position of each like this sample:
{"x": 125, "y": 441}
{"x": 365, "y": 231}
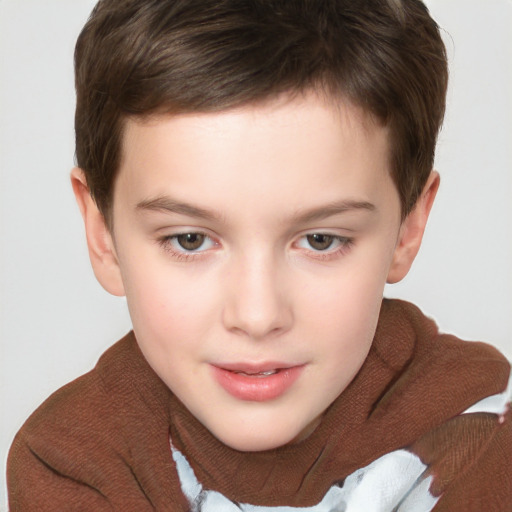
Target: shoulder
{"x": 460, "y": 392}
{"x": 82, "y": 408}
{"x": 79, "y": 448}
{"x": 74, "y": 423}
{"x": 434, "y": 377}
{"x": 100, "y": 443}
{"x": 100, "y": 403}
{"x": 469, "y": 457}
{"x": 428, "y": 359}
{"x": 452, "y": 399}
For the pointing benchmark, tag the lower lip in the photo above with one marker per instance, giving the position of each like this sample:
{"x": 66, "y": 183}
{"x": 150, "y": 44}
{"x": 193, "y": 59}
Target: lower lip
{"x": 258, "y": 388}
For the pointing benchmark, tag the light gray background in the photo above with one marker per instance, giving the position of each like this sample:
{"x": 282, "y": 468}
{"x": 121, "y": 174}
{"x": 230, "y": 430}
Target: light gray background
{"x": 55, "y": 320}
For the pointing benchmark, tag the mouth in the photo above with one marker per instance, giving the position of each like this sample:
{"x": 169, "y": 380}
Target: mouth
{"x": 269, "y": 367}
{"x": 259, "y": 374}
{"x": 256, "y": 383}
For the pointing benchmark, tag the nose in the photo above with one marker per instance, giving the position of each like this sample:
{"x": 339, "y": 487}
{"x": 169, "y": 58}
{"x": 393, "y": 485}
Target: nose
{"x": 258, "y": 303}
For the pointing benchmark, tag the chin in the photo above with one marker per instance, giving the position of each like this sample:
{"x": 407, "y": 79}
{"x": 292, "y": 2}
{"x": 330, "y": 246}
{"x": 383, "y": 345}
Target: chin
{"x": 259, "y": 440}
{"x": 251, "y": 444}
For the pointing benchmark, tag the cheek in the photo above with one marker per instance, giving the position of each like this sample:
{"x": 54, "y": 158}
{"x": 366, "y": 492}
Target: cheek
{"x": 351, "y": 294}
{"x": 344, "y": 308}
{"x": 167, "y": 303}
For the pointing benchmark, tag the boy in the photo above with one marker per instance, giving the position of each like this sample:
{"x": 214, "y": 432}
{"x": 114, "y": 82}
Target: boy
{"x": 251, "y": 176}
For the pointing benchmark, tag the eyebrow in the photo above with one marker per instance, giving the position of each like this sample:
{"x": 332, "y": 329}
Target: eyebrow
{"x": 331, "y": 209}
{"x": 168, "y": 205}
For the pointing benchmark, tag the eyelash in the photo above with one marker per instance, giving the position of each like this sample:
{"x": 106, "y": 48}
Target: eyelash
{"x": 345, "y": 244}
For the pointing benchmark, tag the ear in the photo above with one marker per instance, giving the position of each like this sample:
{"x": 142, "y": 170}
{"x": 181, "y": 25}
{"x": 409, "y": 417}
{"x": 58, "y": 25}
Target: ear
{"x": 411, "y": 231}
{"x": 99, "y": 239}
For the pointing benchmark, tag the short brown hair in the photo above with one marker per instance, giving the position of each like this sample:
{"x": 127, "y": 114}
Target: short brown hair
{"x": 146, "y": 57}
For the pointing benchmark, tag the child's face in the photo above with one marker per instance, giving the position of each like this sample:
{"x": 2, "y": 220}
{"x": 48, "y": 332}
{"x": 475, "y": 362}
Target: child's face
{"x": 254, "y": 246}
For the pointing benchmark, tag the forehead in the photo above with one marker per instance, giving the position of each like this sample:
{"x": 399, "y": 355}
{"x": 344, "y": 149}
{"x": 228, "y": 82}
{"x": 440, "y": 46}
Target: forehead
{"x": 295, "y": 148}
{"x": 291, "y": 107}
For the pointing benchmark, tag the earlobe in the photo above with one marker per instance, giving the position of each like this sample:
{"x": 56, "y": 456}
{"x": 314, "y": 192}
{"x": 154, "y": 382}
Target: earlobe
{"x": 411, "y": 231}
{"x": 100, "y": 243}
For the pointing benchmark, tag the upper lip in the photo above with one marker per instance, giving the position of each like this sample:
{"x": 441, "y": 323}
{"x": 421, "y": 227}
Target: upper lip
{"x": 255, "y": 367}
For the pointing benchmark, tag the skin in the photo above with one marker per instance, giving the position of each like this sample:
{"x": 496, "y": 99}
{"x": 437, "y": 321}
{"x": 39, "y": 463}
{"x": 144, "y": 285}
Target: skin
{"x": 256, "y": 181}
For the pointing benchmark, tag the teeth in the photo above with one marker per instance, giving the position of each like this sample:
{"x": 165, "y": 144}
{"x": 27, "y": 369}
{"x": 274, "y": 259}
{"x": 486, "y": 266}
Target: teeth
{"x": 259, "y": 374}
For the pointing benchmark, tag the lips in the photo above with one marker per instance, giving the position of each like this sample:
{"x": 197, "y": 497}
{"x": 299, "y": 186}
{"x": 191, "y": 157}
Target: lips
{"x": 256, "y": 383}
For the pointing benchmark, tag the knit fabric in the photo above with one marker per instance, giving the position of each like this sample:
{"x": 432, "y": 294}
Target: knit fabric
{"x": 424, "y": 405}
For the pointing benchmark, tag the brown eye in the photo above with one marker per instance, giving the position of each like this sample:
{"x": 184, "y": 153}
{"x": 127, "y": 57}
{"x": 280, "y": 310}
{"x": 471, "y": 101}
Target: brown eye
{"x": 190, "y": 241}
{"x": 320, "y": 242}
